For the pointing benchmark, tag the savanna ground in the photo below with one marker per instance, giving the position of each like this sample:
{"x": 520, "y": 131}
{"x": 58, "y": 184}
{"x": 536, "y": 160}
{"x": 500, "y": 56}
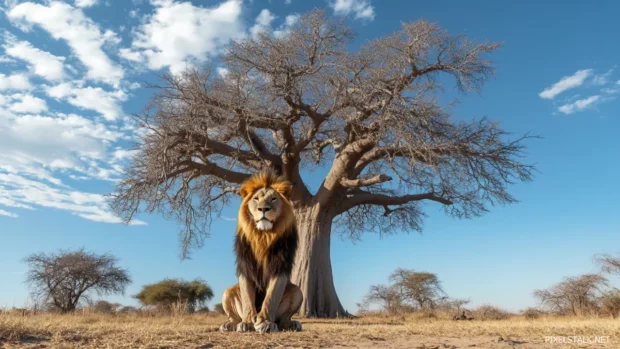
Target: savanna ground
{"x": 201, "y": 331}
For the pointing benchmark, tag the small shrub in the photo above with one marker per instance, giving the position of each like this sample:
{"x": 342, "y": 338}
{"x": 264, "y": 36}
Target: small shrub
{"x": 532, "y": 313}
{"x": 218, "y": 308}
{"x": 490, "y": 312}
{"x": 611, "y": 304}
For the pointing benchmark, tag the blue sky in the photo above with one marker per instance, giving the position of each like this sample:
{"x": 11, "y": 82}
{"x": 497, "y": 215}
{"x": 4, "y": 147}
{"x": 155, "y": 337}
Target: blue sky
{"x": 71, "y": 73}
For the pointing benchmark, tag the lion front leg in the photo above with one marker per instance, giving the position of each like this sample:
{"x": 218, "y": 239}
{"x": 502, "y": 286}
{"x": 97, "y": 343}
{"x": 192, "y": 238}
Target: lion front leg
{"x": 238, "y": 303}
{"x": 267, "y": 317}
{"x": 289, "y": 306}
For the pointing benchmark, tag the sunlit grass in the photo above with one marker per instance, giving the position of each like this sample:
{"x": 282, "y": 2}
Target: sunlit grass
{"x": 200, "y": 331}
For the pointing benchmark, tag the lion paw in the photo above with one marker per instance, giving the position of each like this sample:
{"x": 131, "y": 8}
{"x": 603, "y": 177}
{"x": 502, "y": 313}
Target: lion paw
{"x": 292, "y": 325}
{"x": 245, "y": 327}
{"x": 266, "y": 327}
{"x": 228, "y": 327}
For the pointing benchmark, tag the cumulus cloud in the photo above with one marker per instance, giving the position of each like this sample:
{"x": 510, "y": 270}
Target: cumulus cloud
{"x": 579, "y": 105}
{"x": 85, "y": 3}
{"x": 566, "y": 83}
{"x": 262, "y": 23}
{"x": 89, "y": 206}
{"x": 84, "y": 37}
{"x": 36, "y": 149}
{"x": 361, "y": 9}
{"x": 41, "y": 63}
{"x": 6, "y": 59}
{"x": 107, "y": 103}
{"x": 28, "y": 104}
{"x": 16, "y": 81}
{"x": 8, "y": 214}
{"x": 179, "y": 33}
{"x": 285, "y": 28}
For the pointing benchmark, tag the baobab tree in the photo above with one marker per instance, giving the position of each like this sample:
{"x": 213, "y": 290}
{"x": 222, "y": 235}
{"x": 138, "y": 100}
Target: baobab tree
{"x": 298, "y": 101}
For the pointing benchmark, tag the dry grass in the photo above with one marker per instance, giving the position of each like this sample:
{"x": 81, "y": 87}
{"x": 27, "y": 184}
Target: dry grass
{"x": 200, "y": 331}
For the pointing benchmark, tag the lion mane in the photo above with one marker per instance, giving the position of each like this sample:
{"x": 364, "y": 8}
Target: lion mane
{"x": 263, "y": 254}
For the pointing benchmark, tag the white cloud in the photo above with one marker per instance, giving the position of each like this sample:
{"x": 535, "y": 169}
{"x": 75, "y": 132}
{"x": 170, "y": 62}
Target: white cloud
{"x": 85, "y": 3}
{"x": 222, "y": 72}
{"x": 611, "y": 90}
{"x": 84, "y": 37}
{"x": 89, "y": 206}
{"x": 41, "y": 63}
{"x": 6, "y": 59}
{"x": 285, "y": 28}
{"x": 566, "y": 83}
{"x": 262, "y": 23}
{"x": 579, "y": 105}
{"x": 602, "y": 79}
{"x": 28, "y": 104}
{"x": 288, "y": 2}
{"x": 107, "y": 103}
{"x": 37, "y": 146}
{"x": 12, "y": 203}
{"x": 17, "y": 81}
{"x": 123, "y": 154}
{"x": 8, "y": 214}
{"x": 360, "y": 8}
{"x": 179, "y": 33}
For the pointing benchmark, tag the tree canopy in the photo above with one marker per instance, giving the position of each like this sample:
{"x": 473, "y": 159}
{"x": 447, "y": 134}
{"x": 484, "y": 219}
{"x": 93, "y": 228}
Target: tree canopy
{"x": 372, "y": 120}
{"x": 301, "y": 100}
{"x": 170, "y": 291}
{"x": 66, "y": 278}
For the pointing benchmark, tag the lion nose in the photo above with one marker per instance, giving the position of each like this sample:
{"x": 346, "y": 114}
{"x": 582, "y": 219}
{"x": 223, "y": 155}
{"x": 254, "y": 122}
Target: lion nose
{"x": 264, "y": 209}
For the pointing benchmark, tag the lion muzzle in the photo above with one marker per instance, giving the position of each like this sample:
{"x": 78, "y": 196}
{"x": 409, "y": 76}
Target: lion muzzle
{"x": 264, "y": 224}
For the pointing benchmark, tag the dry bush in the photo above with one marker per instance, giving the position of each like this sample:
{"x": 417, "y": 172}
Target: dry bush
{"x": 579, "y": 295}
{"x": 490, "y": 312}
{"x": 611, "y": 304}
{"x": 179, "y": 308}
{"x": 532, "y": 313}
{"x": 219, "y": 309}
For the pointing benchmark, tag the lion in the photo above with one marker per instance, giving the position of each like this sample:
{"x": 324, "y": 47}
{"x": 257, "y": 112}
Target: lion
{"x": 264, "y": 300}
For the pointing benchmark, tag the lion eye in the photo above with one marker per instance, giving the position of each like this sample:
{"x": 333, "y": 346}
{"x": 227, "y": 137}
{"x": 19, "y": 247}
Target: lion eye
{"x": 273, "y": 199}
{"x": 256, "y": 199}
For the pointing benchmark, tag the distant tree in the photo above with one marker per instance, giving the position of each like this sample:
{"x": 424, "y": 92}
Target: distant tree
{"x": 454, "y": 305}
{"x": 611, "y": 303}
{"x": 204, "y": 309}
{"x": 409, "y": 290}
{"x": 490, "y": 312}
{"x": 170, "y": 291}
{"x": 128, "y": 309}
{"x": 218, "y": 308}
{"x": 66, "y": 278}
{"x": 105, "y": 307}
{"x": 609, "y": 264}
{"x": 422, "y": 290}
{"x": 387, "y": 297}
{"x": 579, "y": 295}
{"x": 372, "y": 118}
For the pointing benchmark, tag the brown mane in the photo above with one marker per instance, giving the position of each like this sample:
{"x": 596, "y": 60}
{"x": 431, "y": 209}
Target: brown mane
{"x": 260, "y": 241}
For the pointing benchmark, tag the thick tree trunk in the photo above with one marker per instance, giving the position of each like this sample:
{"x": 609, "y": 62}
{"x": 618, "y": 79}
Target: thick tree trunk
{"x": 313, "y": 268}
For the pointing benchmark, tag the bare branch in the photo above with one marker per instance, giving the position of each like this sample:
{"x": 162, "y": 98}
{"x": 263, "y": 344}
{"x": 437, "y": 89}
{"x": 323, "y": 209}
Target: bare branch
{"x": 348, "y": 183}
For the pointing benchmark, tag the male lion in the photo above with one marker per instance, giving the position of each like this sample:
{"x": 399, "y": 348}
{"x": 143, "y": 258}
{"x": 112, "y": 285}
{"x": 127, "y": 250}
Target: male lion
{"x": 265, "y": 246}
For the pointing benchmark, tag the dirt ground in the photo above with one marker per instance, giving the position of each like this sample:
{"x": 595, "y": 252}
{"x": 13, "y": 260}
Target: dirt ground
{"x": 99, "y": 331}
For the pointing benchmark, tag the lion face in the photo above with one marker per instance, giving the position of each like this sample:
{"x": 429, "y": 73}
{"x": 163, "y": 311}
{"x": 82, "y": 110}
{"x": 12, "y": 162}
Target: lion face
{"x": 265, "y": 206}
